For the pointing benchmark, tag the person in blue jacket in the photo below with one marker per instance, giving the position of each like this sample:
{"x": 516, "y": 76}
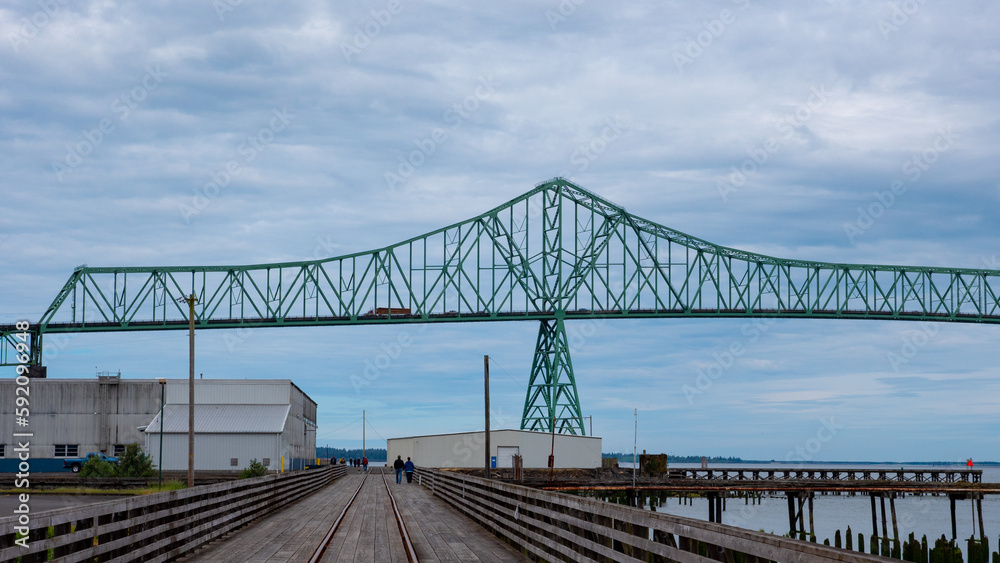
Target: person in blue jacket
{"x": 408, "y": 467}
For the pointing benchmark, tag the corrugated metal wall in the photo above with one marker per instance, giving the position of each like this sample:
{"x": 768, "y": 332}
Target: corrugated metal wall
{"x": 233, "y": 391}
{"x": 97, "y": 415}
{"x": 467, "y": 449}
{"x": 214, "y": 452}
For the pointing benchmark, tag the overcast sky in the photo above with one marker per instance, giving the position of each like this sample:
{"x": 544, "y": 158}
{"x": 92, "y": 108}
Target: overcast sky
{"x": 831, "y": 130}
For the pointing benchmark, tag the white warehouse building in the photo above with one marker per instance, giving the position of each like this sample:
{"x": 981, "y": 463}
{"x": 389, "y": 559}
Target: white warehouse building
{"x": 235, "y": 421}
{"x": 466, "y": 450}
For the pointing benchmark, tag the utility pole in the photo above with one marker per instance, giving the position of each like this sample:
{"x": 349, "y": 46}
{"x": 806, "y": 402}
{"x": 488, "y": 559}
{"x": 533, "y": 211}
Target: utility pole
{"x": 486, "y": 373}
{"x": 635, "y": 460}
{"x": 191, "y": 300}
{"x": 363, "y": 425}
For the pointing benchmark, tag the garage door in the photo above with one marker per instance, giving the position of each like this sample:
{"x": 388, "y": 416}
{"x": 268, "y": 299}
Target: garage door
{"x": 505, "y": 456}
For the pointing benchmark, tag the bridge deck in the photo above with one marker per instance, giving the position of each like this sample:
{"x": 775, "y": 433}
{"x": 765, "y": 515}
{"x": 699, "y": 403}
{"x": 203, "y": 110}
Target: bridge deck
{"x": 368, "y": 533}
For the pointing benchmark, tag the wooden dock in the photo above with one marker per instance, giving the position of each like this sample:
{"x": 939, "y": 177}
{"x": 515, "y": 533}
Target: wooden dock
{"x": 367, "y": 533}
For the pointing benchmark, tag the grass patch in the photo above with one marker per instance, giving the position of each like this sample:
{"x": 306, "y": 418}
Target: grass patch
{"x": 167, "y": 486}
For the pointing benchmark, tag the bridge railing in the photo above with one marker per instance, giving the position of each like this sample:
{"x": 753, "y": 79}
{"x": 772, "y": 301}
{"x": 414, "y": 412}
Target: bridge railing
{"x": 160, "y": 526}
{"x": 550, "y": 526}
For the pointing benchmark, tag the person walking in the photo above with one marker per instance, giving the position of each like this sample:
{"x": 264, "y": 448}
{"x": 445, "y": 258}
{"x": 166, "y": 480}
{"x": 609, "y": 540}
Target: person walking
{"x": 398, "y": 466}
{"x": 408, "y": 468}
{"x": 364, "y": 463}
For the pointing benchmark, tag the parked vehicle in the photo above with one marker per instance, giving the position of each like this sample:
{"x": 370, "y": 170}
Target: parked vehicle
{"x": 76, "y": 463}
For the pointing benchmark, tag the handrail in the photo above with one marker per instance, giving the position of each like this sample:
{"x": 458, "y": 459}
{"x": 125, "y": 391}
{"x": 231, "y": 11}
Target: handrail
{"x": 556, "y": 527}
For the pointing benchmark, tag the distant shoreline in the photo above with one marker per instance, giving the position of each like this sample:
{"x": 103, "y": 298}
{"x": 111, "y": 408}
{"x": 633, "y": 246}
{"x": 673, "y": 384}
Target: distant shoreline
{"x": 729, "y": 460}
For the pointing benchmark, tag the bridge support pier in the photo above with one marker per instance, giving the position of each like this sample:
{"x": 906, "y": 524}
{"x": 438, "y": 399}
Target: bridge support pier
{"x": 552, "y": 398}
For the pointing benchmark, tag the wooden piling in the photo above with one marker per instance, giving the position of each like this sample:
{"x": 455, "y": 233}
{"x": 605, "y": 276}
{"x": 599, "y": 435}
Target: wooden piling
{"x": 791, "y": 514}
{"x": 812, "y": 529}
{"x": 885, "y": 529}
{"x": 954, "y": 525}
{"x": 874, "y": 515}
{"x": 892, "y": 507}
{"x": 979, "y": 508}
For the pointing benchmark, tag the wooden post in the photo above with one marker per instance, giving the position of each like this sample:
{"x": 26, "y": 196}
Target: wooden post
{"x": 191, "y": 301}
{"x": 486, "y": 376}
{"x": 802, "y": 509}
{"x": 791, "y": 513}
{"x": 979, "y": 508}
{"x": 892, "y": 507}
{"x": 711, "y": 508}
{"x": 954, "y": 525}
{"x": 720, "y": 503}
{"x": 885, "y": 528}
{"x": 812, "y": 529}
{"x": 874, "y": 515}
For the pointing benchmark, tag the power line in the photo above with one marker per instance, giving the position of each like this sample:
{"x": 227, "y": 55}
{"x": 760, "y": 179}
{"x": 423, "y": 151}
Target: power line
{"x": 511, "y": 377}
{"x": 353, "y": 422}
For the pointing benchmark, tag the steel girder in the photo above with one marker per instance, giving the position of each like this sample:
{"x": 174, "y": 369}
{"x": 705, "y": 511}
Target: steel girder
{"x": 558, "y": 251}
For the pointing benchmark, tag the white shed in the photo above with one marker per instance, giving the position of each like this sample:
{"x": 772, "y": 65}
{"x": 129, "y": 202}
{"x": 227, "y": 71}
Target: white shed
{"x": 468, "y": 449}
{"x": 235, "y": 421}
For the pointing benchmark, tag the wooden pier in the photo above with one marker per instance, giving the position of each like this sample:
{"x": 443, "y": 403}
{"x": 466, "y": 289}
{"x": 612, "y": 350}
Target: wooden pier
{"x": 367, "y": 533}
{"x": 446, "y": 516}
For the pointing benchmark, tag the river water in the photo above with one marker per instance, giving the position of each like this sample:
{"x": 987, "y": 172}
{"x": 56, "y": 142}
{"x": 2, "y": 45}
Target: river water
{"x": 930, "y": 515}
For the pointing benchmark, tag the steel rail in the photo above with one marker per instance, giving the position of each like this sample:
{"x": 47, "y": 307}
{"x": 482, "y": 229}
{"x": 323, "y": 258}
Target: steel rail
{"x": 411, "y": 554}
{"x": 321, "y": 550}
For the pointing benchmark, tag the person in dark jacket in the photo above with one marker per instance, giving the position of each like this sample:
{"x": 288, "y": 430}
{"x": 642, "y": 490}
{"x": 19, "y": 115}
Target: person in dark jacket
{"x": 408, "y": 468}
{"x": 398, "y": 466}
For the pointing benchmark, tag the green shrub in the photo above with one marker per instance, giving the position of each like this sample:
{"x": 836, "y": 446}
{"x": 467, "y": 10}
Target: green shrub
{"x": 256, "y": 469}
{"x": 98, "y": 468}
{"x": 134, "y": 463}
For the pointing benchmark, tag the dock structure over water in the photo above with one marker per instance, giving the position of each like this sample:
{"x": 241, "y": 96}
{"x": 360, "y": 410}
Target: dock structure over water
{"x": 443, "y": 515}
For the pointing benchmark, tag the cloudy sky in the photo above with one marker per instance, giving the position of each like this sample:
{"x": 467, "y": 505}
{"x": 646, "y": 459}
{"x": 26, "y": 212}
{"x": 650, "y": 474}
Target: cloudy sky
{"x": 247, "y": 131}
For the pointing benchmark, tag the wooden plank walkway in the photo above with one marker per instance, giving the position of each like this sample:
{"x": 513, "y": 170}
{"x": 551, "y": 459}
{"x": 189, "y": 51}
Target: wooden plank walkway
{"x": 368, "y": 532}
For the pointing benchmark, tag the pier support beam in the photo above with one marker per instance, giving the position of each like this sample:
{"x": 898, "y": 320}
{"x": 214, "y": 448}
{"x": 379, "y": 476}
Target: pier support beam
{"x": 954, "y": 525}
{"x": 791, "y": 514}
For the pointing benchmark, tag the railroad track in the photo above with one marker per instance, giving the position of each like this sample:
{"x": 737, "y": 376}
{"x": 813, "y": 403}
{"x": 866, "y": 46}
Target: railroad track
{"x": 411, "y": 554}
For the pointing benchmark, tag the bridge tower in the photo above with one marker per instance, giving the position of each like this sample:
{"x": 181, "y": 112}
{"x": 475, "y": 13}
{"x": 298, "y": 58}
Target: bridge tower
{"x": 552, "y": 398}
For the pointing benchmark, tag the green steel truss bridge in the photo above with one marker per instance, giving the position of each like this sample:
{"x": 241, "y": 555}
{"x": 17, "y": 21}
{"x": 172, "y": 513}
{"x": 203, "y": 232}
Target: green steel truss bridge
{"x": 554, "y": 254}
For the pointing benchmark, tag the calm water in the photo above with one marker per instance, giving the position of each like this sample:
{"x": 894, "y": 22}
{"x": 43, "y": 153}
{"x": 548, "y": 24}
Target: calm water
{"x": 922, "y": 515}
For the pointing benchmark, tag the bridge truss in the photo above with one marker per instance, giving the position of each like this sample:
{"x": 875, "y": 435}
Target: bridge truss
{"x": 554, "y": 254}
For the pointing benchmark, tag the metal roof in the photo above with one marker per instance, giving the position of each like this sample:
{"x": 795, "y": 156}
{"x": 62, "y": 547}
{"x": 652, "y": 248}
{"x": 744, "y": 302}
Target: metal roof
{"x": 224, "y": 419}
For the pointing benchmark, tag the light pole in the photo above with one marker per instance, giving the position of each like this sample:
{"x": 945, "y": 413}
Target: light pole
{"x": 159, "y": 480}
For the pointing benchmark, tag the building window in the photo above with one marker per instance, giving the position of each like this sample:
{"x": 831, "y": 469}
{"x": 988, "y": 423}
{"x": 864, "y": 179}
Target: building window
{"x": 67, "y": 450}
{"x": 3, "y": 450}
{"x": 234, "y": 461}
{"x": 119, "y": 450}
{"x": 266, "y": 462}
